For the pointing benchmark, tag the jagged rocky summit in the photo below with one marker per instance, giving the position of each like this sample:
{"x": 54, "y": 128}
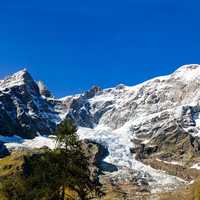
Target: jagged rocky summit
{"x": 25, "y": 109}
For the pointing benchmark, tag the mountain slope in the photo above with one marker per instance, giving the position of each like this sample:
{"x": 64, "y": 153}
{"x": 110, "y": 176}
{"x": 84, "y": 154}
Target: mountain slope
{"x": 155, "y": 120}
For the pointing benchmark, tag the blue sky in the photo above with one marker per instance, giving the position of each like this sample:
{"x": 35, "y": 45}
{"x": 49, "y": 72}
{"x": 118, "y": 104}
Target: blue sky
{"x": 72, "y": 45}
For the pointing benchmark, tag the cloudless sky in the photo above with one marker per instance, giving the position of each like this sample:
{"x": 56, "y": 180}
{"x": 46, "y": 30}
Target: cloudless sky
{"x": 74, "y": 44}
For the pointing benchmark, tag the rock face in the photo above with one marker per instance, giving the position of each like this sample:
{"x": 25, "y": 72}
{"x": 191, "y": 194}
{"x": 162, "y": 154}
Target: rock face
{"x": 23, "y": 110}
{"x": 43, "y": 89}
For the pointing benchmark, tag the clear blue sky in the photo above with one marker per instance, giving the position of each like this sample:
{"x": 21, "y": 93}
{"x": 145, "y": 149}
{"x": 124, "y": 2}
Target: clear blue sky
{"x": 71, "y": 44}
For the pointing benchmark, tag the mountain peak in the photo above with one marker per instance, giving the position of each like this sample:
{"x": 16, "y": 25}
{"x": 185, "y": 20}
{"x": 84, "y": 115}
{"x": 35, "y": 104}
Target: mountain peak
{"x": 19, "y": 78}
{"x": 93, "y": 91}
{"x": 188, "y": 67}
{"x": 22, "y": 71}
{"x": 22, "y": 74}
{"x": 188, "y": 72}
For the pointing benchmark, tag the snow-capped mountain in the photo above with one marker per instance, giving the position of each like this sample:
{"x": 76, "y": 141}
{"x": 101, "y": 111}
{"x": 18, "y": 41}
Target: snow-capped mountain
{"x": 160, "y": 116}
{"x": 24, "y": 110}
{"x": 170, "y": 97}
{"x": 28, "y": 106}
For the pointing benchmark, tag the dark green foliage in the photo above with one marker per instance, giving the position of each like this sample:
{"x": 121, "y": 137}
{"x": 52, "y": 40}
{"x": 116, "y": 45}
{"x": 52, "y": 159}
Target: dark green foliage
{"x": 77, "y": 174}
{"x": 66, "y": 135}
{"x": 43, "y": 173}
{"x": 14, "y": 189}
{"x": 46, "y": 175}
{"x": 40, "y": 179}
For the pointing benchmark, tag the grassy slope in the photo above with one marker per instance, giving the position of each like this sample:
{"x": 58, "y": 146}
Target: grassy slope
{"x": 10, "y": 165}
{"x": 13, "y": 163}
{"x": 190, "y": 192}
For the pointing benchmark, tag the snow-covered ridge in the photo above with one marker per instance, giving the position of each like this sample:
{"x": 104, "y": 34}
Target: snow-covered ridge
{"x": 188, "y": 72}
{"x": 114, "y": 107}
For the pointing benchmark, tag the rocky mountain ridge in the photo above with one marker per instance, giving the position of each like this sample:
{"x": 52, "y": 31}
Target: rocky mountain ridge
{"x": 173, "y": 97}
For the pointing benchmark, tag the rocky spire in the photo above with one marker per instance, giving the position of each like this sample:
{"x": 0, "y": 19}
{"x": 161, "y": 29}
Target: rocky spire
{"x": 93, "y": 91}
{"x": 20, "y": 78}
{"x": 43, "y": 89}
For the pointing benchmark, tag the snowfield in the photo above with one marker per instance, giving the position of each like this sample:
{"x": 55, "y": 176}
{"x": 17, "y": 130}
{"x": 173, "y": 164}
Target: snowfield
{"x": 16, "y": 142}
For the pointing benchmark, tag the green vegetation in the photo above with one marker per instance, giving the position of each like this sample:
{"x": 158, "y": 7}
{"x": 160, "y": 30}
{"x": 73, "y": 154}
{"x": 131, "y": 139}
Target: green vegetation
{"x": 54, "y": 175}
{"x": 10, "y": 164}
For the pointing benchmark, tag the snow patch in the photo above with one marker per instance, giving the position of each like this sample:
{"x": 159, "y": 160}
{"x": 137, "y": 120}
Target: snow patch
{"x": 171, "y": 162}
{"x": 16, "y": 142}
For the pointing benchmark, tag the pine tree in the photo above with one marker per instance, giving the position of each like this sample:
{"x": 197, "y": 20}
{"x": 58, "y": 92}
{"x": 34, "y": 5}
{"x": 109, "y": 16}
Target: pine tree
{"x": 67, "y": 138}
{"x": 76, "y": 174}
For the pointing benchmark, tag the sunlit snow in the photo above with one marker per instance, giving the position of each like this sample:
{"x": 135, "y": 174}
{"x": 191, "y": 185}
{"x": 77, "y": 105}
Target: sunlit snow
{"x": 16, "y": 142}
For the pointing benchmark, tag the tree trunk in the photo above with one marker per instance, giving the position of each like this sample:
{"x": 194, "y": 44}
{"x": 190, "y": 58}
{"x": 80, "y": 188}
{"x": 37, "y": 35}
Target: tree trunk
{"x": 62, "y": 193}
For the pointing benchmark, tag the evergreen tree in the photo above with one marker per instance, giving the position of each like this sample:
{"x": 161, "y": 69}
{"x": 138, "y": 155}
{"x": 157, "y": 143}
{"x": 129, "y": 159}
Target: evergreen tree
{"x": 67, "y": 138}
{"x": 75, "y": 163}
